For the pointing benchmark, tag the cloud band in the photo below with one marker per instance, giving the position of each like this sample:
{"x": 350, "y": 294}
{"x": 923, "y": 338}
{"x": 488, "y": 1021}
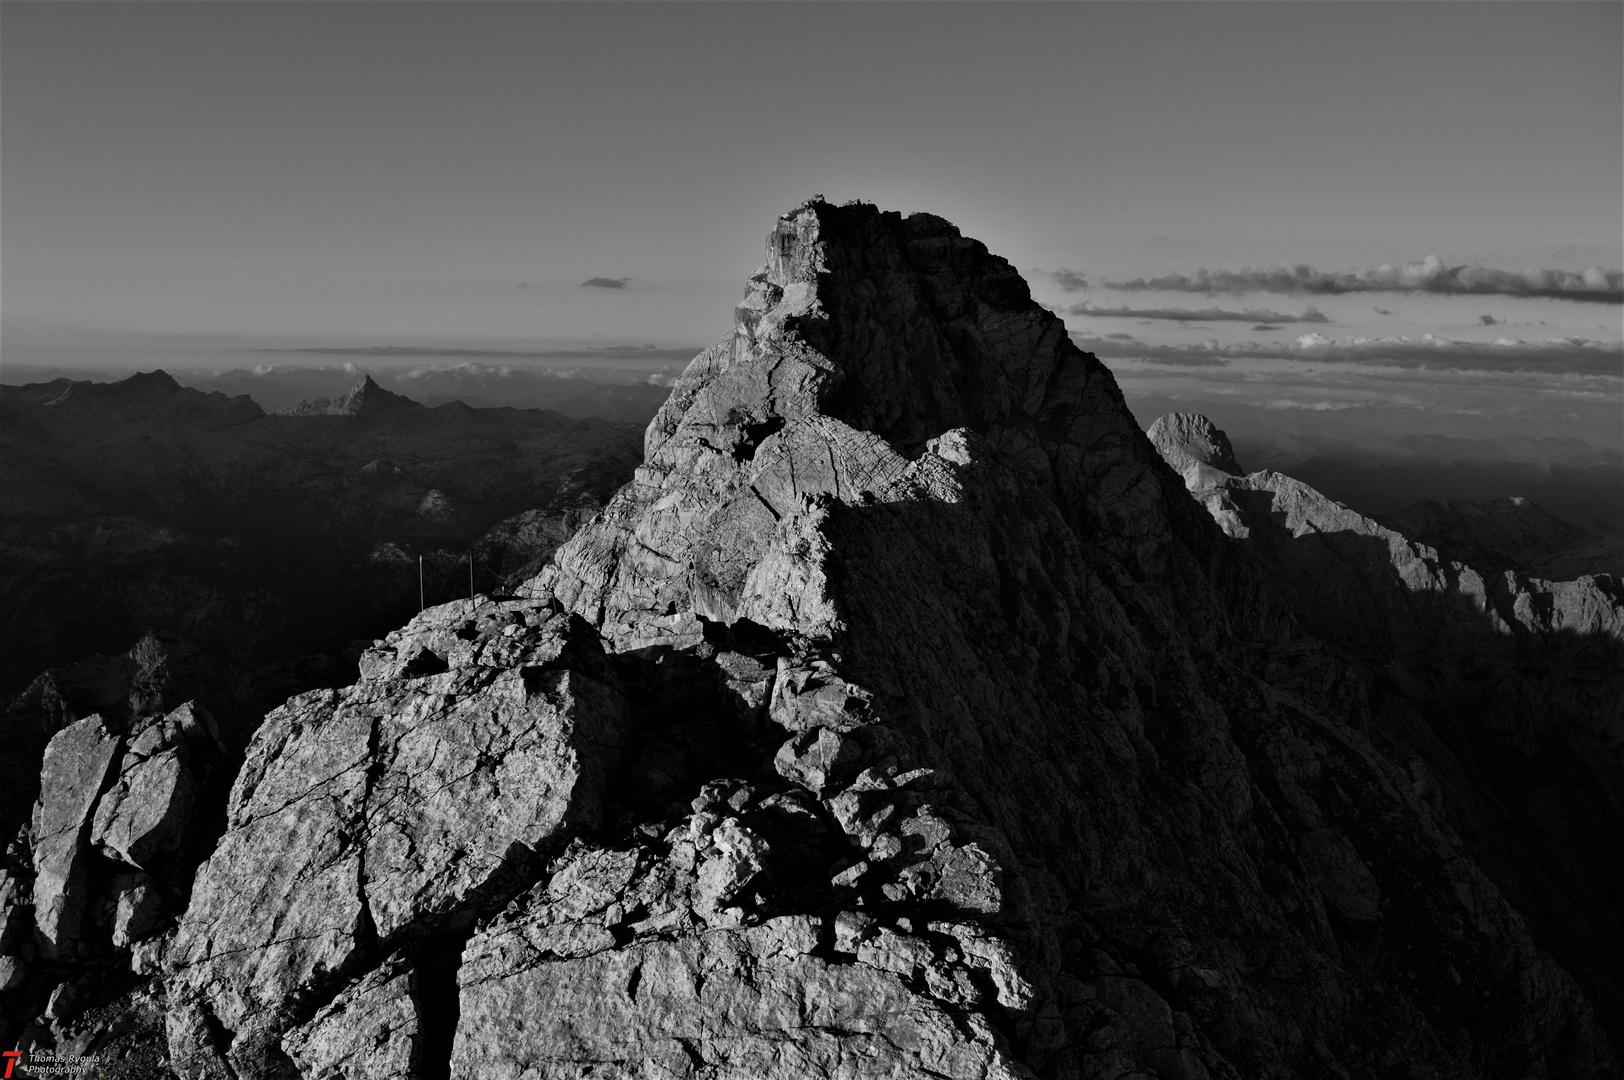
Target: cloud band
{"x": 1430, "y": 275}
{"x": 1253, "y": 315}
{"x": 1577, "y": 356}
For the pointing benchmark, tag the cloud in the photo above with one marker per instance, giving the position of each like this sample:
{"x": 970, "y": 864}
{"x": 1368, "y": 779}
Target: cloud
{"x": 1430, "y": 275}
{"x": 1194, "y": 360}
{"x": 1254, "y": 315}
{"x": 1316, "y": 406}
{"x": 1068, "y": 280}
{"x": 681, "y": 353}
{"x": 1569, "y": 355}
{"x": 605, "y": 283}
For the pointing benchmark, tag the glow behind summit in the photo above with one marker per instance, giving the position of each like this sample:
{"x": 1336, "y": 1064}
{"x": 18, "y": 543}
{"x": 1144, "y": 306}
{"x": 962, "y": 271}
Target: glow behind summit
{"x": 1260, "y": 211}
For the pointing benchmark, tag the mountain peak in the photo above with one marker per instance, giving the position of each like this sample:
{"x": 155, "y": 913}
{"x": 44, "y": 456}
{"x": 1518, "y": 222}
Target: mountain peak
{"x": 157, "y": 379}
{"x": 1191, "y": 443}
{"x": 903, "y": 679}
{"x": 904, "y": 328}
{"x": 366, "y": 399}
{"x": 902, "y": 306}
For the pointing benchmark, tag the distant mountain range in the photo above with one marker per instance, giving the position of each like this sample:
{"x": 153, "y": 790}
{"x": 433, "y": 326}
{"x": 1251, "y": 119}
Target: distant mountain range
{"x": 143, "y": 505}
{"x": 1510, "y": 534}
{"x": 1380, "y": 474}
{"x": 591, "y": 387}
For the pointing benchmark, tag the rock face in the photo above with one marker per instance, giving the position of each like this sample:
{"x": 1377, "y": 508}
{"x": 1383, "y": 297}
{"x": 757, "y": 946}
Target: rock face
{"x": 157, "y": 690}
{"x": 1197, "y": 450}
{"x": 141, "y": 820}
{"x": 549, "y": 984}
{"x": 104, "y": 865}
{"x": 77, "y": 764}
{"x": 905, "y": 716}
{"x": 388, "y": 812}
{"x": 371, "y": 1030}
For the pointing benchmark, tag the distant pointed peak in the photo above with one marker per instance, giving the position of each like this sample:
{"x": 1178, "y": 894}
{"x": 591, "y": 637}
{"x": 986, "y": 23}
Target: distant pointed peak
{"x": 368, "y": 390}
{"x": 365, "y": 398}
{"x": 158, "y": 378}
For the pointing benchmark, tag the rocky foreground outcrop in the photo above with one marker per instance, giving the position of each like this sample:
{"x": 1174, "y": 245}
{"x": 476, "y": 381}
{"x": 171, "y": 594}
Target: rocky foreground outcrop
{"x": 905, "y": 717}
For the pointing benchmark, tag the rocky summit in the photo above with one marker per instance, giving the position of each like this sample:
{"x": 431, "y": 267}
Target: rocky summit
{"x": 906, "y": 715}
{"x": 1195, "y": 447}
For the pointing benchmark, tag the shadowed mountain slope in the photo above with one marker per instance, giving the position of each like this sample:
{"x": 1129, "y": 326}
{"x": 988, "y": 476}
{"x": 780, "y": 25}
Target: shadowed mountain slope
{"x": 1509, "y": 534}
{"x": 1505, "y": 692}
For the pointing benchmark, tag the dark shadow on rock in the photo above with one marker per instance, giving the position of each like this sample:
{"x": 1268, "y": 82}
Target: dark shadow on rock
{"x": 1512, "y": 735}
{"x": 688, "y": 728}
{"x": 1111, "y": 727}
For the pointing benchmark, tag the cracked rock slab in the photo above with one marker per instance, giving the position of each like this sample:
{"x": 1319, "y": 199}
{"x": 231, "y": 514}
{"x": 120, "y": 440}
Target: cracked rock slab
{"x": 142, "y": 819}
{"x": 369, "y": 1032}
{"x": 396, "y": 806}
{"x": 137, "y": 908}
{"x": 78, "y": 762}
{"x": 751, "y": 1002}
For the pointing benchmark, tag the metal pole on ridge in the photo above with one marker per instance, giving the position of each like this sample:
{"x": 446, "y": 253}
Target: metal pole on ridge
{"x": 420, "y": 604}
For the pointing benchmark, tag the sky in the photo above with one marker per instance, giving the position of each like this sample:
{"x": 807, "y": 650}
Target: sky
{"x": 186, "y": 179}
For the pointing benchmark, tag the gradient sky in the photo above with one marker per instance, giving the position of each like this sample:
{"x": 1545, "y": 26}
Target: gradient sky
{"x": 452, "y": 172}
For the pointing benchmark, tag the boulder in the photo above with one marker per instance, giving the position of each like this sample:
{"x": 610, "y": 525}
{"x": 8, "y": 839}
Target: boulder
{"x": 137, "y": 908}
{"x": 396, "y": 807}
{"x": 142, "y": 819}
{"x": 371, "y": 1031}
{"x": 78, "y": 763}
{"x": 596, "y": 971}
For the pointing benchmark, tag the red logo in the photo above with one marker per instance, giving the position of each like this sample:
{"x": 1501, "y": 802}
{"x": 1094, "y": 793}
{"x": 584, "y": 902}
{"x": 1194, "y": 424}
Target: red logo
{"x": 11, "y": 1057}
